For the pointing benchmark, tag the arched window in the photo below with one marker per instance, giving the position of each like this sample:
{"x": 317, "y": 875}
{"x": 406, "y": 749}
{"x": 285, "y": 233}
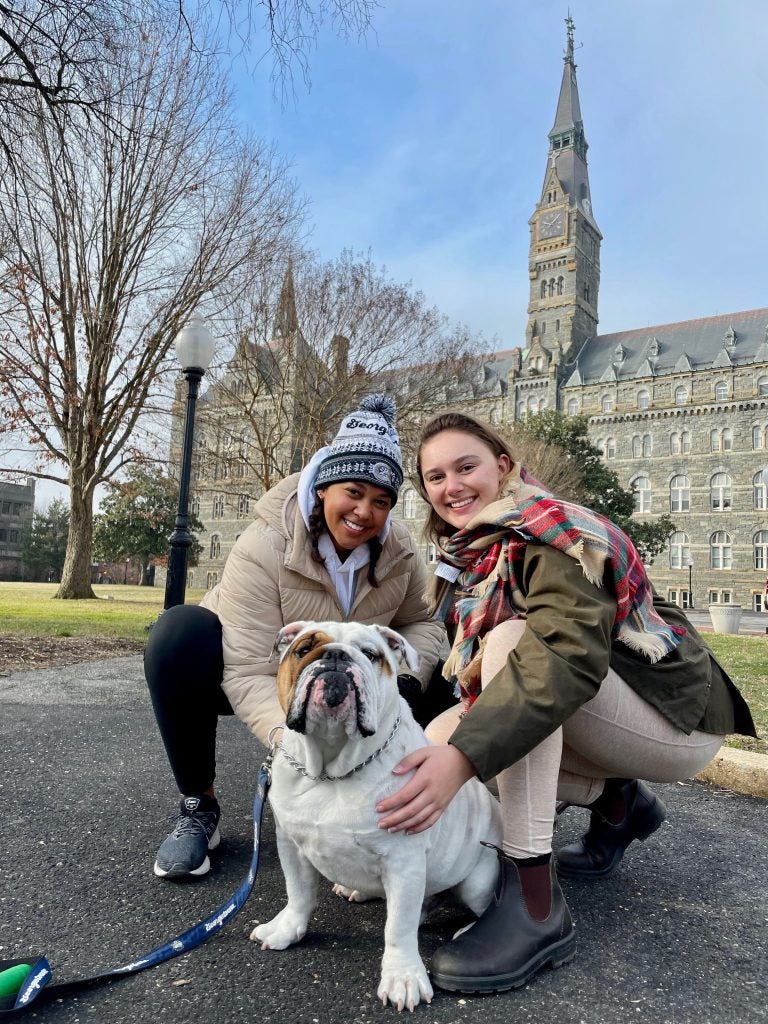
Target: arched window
{"x": 560, "y": 284}
{"x": 543, "y": 290}
{"x": 215, "y": 545}
{"x": 762, "y": 386}
{"x": 494, "y": 417}
{"x": 211, "y": 580}
{"x": 641, "y": 487}
{"x": 557, "y": 325}
{"x": 720, "y": 492}
{"x": 409, "y": 503}
{"x": 720, "y": 550}
{"x": 714, "y": 440}
{"x": 573, "y": 407}
{"x": 217, "y": 511}
{"x": 637, "y": 447}
{"x": 760, "y": 549}
{"x": 679, "y": 494}
{"x": 759, "y": 491}
{"x": 610, "y": 447}
{"x": 243, "y": 505}
{"x": 680, "y": 444}
{"x": 681, "y": 395}
{"x": 543, "y": 330}
{"x": 721, "y": 391}
{"x": 606, "y": 403}
{"x": 551, "y": 287}
{"x": 679, "y": 550}
{"x": 586, "y": 292}
{"x": 647, "y": 446}
{"x": 726, "y": 439}
{"x": 194, "y": 505}
{"x": 757, "y": 436}
{"x": 643, "y": 399}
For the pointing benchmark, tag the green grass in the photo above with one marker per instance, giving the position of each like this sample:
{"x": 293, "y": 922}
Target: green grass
{"x": 29, "y": 609}
{"x": 745, "y": 658}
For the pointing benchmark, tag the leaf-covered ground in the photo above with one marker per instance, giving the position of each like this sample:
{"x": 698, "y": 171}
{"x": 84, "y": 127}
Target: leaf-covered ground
{"x": 22, "y": 653}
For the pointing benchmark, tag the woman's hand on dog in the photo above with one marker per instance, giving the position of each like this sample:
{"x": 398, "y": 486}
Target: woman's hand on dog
{"x": 439, "y": 773}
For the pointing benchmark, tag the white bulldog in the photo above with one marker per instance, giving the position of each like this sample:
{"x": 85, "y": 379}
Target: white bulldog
{"x": 346, "y": 729}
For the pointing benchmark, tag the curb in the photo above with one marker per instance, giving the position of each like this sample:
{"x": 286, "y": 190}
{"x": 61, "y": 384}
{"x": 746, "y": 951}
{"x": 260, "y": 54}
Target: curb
{"x": 741, "y": 771}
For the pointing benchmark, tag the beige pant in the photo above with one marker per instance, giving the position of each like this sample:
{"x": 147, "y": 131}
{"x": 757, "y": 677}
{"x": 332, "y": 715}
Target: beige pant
{"x": 615, "y": 735}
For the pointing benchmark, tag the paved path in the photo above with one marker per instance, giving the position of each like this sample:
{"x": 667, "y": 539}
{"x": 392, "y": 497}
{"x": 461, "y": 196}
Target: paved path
{"x": 677, "y": 936}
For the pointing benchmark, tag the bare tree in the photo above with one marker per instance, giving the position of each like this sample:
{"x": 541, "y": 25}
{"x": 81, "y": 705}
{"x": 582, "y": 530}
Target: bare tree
{"x": 53, "y": 48}
{"x": 117, "y": 229}
{"x": 332, "y": 333}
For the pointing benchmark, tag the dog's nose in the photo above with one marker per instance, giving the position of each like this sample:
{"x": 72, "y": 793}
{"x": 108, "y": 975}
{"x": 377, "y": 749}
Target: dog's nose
{"x": 335, "y": 688}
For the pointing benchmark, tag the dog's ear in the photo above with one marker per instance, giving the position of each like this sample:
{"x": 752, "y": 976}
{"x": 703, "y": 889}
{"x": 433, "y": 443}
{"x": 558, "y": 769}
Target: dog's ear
{"x": 398, "y": 643}
{"x": 285, "y": 638}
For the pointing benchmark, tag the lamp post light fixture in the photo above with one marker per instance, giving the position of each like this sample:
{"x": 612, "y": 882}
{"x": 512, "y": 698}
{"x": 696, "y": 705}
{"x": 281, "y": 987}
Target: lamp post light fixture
{"x": 689, "y": 563}
{"x": 194, "y": 350}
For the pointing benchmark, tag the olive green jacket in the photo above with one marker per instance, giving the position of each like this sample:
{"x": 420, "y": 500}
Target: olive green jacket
{"x": 565, "y": 653}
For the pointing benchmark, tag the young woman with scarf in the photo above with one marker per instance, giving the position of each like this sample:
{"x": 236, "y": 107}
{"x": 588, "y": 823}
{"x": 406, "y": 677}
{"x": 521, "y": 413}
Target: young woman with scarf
{"x": 322, "y": 546}
{"x": 577, "y": 681}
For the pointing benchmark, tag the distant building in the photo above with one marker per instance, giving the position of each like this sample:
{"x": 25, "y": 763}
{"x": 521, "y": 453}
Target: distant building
{"x": 17, "y": 510}
{"x": 680, "y": 411}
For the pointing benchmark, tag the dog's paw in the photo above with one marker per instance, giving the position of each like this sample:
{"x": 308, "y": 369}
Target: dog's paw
{"x": 282, "y": 931}
{"x": 353, "y": 895}
{"x": 405, "y": 989}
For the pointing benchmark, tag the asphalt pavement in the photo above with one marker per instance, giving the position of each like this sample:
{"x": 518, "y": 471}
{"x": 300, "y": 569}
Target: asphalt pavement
{"x": 678, "y": 935}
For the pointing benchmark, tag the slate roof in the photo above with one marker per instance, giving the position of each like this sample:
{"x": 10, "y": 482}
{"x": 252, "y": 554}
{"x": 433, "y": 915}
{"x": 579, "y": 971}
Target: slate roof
{"x": 733, "y": 339}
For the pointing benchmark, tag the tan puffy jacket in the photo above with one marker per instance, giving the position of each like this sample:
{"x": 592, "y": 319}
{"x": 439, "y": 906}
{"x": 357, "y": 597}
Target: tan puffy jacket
{"x": 270, "y": 580}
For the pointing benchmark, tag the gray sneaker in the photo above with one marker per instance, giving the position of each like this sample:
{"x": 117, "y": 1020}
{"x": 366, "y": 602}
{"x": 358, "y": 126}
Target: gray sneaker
{"x": 185, "y": 851}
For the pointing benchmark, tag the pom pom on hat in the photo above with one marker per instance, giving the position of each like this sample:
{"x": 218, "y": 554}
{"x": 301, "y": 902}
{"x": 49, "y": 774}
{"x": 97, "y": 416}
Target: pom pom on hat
{"x": 366, "y": 448}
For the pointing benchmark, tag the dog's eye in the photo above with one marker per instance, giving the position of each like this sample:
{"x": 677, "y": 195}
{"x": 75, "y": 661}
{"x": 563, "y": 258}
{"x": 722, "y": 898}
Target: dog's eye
{"x": 371, "y": 655}
{"x": 303, "y": 651}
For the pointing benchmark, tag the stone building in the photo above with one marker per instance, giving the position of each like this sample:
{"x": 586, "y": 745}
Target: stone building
{"x": 17, "y": 510}
{"x": 680, "y": 411}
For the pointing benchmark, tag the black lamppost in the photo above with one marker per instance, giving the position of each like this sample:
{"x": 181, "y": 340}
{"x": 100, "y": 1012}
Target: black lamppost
{"x": 194, "y": 350}
{"x": 689, "y": 563}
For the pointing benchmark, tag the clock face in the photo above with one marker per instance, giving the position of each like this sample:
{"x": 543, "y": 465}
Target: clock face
{"x": 552, "y": 224}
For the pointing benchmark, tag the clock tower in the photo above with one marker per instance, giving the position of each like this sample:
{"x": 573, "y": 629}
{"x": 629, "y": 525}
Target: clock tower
{"x": 564, "y": 252}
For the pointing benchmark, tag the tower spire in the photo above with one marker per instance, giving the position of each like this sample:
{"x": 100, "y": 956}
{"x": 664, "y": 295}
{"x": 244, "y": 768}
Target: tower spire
{"x": 286, "y": 319}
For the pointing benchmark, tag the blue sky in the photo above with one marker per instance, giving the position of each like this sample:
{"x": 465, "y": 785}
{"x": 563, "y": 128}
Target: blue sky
{"x": 427, "y": 143}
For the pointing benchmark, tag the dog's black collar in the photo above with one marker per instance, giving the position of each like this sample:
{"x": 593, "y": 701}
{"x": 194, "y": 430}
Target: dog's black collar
{"x": 323, "y": 776}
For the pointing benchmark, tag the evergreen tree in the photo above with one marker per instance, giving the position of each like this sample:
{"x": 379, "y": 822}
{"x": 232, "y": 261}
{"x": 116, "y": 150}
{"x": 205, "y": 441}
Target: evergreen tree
{"x": 137, "y": 517}
{"x": 602, "y": 487}
{"x": 44, "y": 544}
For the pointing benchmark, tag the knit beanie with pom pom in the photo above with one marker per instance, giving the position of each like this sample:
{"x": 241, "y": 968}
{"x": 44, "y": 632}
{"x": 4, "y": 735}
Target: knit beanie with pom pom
{"x": 366, "y": 448}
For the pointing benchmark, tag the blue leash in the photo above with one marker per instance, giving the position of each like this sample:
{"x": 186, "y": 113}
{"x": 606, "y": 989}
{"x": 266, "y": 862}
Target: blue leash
{"x": 38, "y": 979}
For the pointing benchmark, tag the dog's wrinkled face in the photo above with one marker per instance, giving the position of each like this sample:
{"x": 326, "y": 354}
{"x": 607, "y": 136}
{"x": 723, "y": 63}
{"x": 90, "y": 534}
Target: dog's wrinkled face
{"x": 338, "y": 676}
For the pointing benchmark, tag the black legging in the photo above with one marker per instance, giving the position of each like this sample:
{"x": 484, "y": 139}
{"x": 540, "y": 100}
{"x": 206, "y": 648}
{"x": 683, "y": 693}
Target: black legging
{"x": 183, "y": 665}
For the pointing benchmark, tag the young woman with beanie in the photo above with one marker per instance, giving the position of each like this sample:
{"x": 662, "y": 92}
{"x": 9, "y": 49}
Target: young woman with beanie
{"x": 322, "y": 546}
{"x": 577, "y": 681}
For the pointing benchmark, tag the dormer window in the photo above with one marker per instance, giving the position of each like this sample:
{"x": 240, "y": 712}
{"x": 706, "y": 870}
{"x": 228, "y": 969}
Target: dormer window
{"x": 653, "y": 347}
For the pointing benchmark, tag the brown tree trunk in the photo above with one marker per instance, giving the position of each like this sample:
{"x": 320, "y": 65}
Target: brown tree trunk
{"x": 76, "y": 574}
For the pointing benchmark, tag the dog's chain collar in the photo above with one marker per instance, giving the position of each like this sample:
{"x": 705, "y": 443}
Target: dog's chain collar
{"x": 324, "y": 777}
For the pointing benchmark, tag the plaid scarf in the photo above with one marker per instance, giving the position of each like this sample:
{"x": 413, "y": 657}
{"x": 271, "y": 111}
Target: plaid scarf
{"x": 494, "y": 542}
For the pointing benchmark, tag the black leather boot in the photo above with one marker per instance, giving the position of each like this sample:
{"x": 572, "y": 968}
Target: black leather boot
{"x": 600, "y": 849}
{"x": 506, "y": 946}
